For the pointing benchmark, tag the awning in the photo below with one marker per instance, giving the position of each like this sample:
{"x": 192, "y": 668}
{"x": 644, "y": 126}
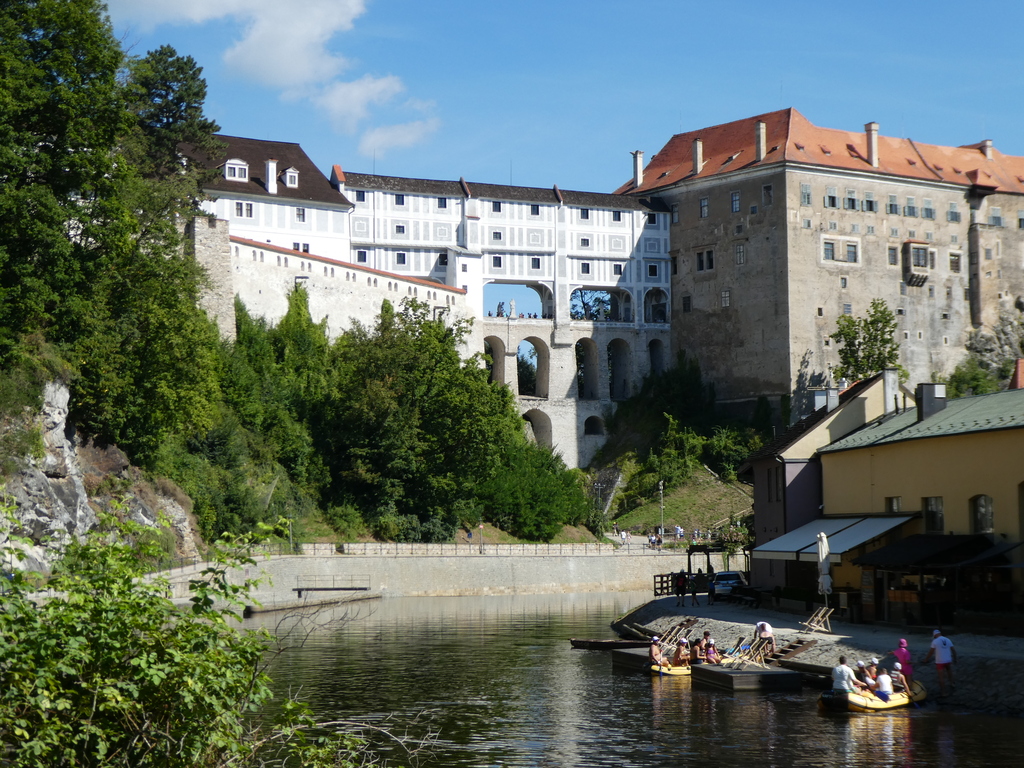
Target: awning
{"x": 993, "y": 557}
{"x": 844, "y": 534}
{"x": 927, "y": 550}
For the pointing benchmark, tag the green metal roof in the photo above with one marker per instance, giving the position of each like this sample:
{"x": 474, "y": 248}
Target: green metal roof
{"x": 980, "y": 413}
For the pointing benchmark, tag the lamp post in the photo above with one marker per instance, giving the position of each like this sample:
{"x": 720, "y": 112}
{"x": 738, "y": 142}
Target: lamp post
{"x": 661, "y": 501}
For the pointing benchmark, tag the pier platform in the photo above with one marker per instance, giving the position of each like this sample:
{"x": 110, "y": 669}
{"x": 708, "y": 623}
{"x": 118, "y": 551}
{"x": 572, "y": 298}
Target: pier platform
{"x": 751, "y": 678}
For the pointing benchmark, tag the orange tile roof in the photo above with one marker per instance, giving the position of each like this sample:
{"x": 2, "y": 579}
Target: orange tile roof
{"x": 791, "y": 137}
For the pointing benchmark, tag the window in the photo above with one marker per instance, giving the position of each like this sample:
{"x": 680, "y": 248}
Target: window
{"x": 584, "y": 214}
{"x": 893, "y": 504}
{"x": 842, "y": 282}
{"x": 927, "y": 210}
{"x": 535, "y": 210}
{"x": 652, "y": 270}
{"x": 831, "y": 198}
{"x": 767, "y": 195}
{"x": 616, "y": 269}
{"x": 847, "y": 309}
{"x": 910, "y": 209}
{"x": 442, "y": 259}
{"x": 893, "y": 208}
{"x": 496, "y": 262}
{"x": 739, "y": 229}
{"x": 1020, "y": 219}
{"x": 616, "y": 215}
{"x": 243, "y": 210}
{"x": 291, "y": 179}
{"x": 236, "y": 170}
{"x": 399, "y": 229}
{"x": 833, "y": 226}
{"x": 988, "y": 254}
{"x": 995, "y": 217}
{"x": 870, "y": 229}
{"x": 855, "y": 229}
{"x": 442, "y": 202}
{"x": 465, "y": 267}
{"x": 399, "y": 258}
{"x": 830, "y": 251}
{"x": 295, "y": 246}
{"x": 851, "y": 252}
{"x": 807, "y": 223}
{"x": 585, "y": 268}
{"x": 735, "y": 205}
{"x": 805, "y": 194}
{"x": 919, "y": 256}
{"x": 496, "y": 236}
{"x": 954, "y": 239}
{"x": 300, "y": 214}
{"x": 652, "y": 219}
{"x": 675, "y": 213}
{"x": 705, "y": 260}
{"x": 305, "y": 247}
{"x": 535, "y": 262}
{"x": 584, "y": 242}
{"x": 903, "y": 288}
{"x": 931, "y": 291}
{"x": 931, "y": 258}
{"x": 360, "y": 196}
{"x": 687, "y": 303}
{"x": 399, "y": 199}
{"x": 741, "y": 253}
{"x": 725, "y": 299}
{"x": 753, "y": 209}
{"x": 704, "y": 207}
{"x": 495, "y": 206}
{"x": 894, "y": 256}
{"x": 870, "y": 205}
{"x": 850, "y": 201}
{"x": 981, "y": 514}
{"x": 894, "y": 231}
{"x": 361, "y": 257}
{"x": 952, "y": 214}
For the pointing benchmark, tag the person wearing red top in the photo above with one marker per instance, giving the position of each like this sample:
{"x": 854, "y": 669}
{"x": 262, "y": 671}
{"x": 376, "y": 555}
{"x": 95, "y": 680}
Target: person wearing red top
{"x": 902, "y": 655}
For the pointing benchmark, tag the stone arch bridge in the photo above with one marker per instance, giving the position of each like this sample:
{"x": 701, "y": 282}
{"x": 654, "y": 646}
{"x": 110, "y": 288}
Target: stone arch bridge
{"x": 583, "y": 369}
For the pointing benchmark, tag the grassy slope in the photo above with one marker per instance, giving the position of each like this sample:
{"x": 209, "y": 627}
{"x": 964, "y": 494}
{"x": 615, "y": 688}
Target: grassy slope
{"x": 702, "y": 503}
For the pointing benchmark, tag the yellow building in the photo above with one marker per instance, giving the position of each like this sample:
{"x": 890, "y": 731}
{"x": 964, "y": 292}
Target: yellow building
{"x": 957, "y": 468}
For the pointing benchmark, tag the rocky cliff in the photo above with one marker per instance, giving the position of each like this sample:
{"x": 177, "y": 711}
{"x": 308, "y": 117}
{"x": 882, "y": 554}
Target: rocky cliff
{"x": 60, "y": 487}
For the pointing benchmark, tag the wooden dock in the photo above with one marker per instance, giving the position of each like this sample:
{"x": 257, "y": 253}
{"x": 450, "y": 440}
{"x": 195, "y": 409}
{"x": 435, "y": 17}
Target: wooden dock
{"x": 749, "y": 679}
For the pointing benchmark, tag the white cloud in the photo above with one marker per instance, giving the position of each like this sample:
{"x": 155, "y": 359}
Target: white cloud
{"x": 348, "y": 104}
{"x": 377, "y": 141}
{"x": 286, "y": 45}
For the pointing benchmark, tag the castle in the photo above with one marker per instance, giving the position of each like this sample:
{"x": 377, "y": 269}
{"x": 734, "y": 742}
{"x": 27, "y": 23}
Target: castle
{"x": 739, "y": 244}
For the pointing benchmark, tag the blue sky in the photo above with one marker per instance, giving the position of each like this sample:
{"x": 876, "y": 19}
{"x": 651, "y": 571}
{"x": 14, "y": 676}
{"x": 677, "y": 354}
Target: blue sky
{"x": 560, "y": 91}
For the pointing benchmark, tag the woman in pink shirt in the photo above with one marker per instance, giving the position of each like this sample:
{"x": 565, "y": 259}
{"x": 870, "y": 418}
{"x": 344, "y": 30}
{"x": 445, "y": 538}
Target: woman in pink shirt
{"x": 903, "y": 657}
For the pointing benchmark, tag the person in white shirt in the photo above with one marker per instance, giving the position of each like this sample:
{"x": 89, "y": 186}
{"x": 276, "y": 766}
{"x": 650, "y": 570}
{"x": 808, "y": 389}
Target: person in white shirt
{"x": 945, "y": 656}
{"x": 883, "y": 684}
{"x": 843, "y": 679}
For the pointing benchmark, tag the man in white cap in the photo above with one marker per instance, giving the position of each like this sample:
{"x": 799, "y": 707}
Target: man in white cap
{"x": 655, "y": 653}
{"x": 945, "y": 656}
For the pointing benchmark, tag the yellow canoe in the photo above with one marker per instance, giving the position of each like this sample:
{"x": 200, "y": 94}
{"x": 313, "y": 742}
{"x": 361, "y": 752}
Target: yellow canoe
{"x": 838, "y": 701}
{"x": 683, "y": 670}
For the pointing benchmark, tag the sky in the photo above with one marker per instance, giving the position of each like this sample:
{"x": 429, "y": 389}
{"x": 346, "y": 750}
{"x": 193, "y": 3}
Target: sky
{"x": 544, "y": 92}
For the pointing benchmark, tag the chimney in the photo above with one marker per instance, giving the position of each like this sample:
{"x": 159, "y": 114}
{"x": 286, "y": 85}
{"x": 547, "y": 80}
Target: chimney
{"x": 826, "y": 398}
{"x": 871, "y": 129}
{"x": 638, "y": 168}
{"x": 986, "y": 147}
{"x": 698, "y": 156}
{"x": 891, "y": 389}
{"x": 1017, "y": 381}
{"x": 760, "y": 140}
{"x": 272, "y": 176}
{"x": 931, "y": 398}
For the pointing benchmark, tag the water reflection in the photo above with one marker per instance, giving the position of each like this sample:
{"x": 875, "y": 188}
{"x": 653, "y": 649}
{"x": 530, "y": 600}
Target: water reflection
{"x": 499, "y": 679}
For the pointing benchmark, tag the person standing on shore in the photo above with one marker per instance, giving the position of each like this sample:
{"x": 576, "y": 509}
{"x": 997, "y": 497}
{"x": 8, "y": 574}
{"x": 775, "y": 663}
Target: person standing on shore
{"x": 691, "y": 585}
{"x": 945, "y": 656}
{"x": 680, "y": 589}
{"x": 711, "y": 591}
{"x": 905, "y": 660}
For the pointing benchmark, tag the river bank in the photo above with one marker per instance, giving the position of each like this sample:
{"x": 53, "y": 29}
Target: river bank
{"x": 989, "y": 673}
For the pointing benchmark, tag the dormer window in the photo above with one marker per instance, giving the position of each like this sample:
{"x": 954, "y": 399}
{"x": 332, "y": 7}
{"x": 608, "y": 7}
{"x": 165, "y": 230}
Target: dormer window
{"x": 236, "y": 170}
{"x": 291, "y": 178}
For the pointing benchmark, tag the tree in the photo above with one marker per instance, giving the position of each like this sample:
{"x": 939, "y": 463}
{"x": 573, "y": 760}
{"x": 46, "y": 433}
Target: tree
{"x": 867, "y": 344}
{"x": 109, "y": 672}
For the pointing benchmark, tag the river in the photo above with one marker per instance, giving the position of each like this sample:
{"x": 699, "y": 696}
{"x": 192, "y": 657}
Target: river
{"x": 497, "y": 679}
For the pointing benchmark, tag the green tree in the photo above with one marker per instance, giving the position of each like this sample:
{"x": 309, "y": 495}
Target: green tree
{"x": 109, "y": 672}
{"x": 867, "y": 344}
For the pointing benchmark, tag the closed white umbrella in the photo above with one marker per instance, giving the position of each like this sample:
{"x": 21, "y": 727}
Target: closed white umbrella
{"x": 824, "y": 579}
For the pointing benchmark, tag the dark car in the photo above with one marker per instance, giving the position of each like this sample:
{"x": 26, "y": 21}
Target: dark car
{"x": 726, "y": 580}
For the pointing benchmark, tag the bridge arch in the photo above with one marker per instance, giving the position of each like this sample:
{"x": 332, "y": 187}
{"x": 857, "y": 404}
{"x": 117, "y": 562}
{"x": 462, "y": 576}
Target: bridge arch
{"x": 494, "y": 348}
{"x": 656, "y": 306}
{"x": 619, "y": 369}
{"x": 593, "y": 426}
{"x": 656, "y": 356}
{"x": 541, "y": 360}
{"x": 588, "y": 384}
{"x": 540, "y": 427}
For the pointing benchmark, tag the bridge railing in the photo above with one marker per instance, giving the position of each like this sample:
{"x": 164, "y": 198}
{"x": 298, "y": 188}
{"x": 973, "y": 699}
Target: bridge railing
{"x": 384, "y": 549}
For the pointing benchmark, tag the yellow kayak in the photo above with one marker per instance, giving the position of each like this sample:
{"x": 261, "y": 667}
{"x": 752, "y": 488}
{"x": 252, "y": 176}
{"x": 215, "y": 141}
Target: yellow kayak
{"x": 669, "y": 670}
{"x": 838, "y": 701}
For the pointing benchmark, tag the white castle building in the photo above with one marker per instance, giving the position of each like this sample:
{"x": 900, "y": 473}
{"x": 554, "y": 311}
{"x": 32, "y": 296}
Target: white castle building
{"x": 356, "y": 239}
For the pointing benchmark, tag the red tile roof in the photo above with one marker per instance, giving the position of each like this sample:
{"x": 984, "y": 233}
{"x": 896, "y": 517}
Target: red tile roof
{"x": 791, "y": 137}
